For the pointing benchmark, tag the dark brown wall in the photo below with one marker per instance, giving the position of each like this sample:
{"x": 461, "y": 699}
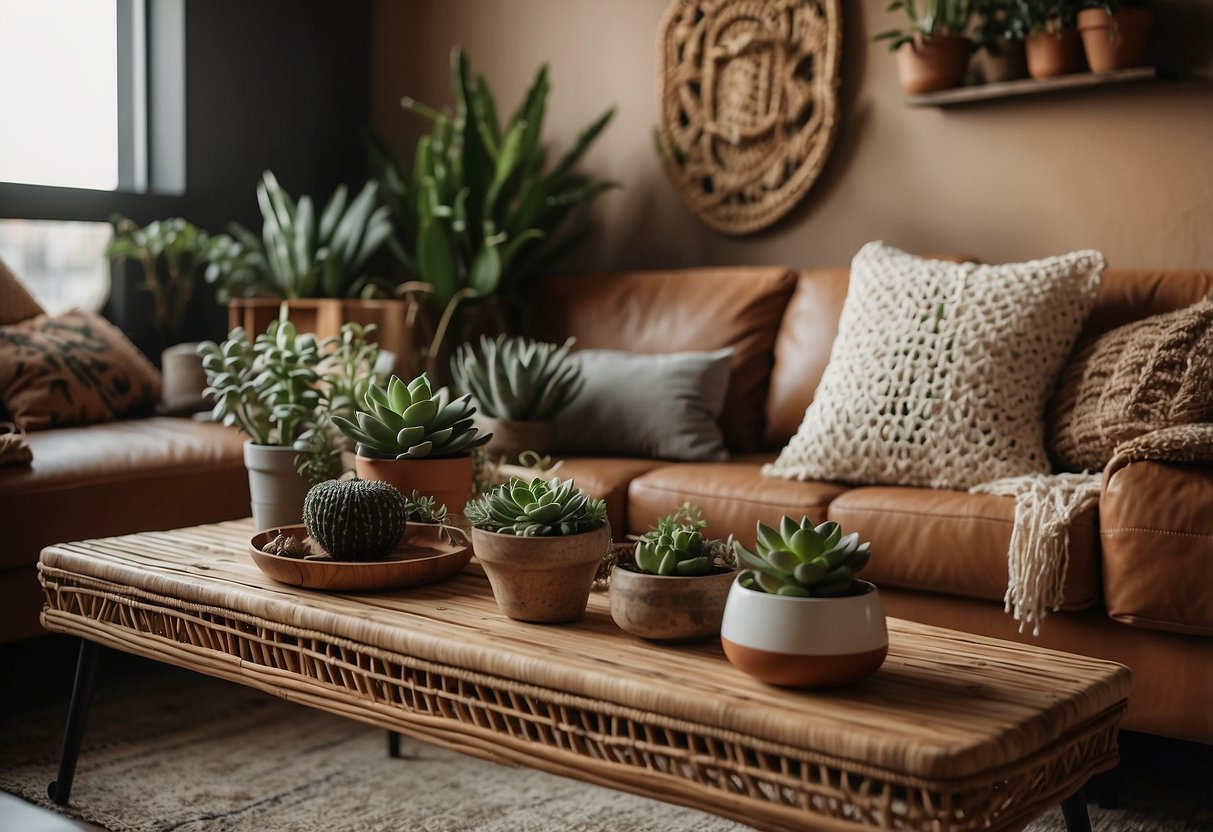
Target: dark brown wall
{"x": 1128, "y": 171}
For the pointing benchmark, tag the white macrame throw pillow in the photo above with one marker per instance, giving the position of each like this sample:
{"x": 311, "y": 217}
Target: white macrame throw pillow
{"x": 940, "y": 371}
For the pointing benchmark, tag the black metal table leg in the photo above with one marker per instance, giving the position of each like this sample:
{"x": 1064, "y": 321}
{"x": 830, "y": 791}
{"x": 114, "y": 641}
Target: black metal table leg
{"x": 393, "y": 744}
{"x": 60, "y": 788}
{"x": 1074, "y": 810}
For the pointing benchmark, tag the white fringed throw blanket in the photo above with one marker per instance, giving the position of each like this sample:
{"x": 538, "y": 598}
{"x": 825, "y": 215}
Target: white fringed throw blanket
{"x": 1045, "y": 505}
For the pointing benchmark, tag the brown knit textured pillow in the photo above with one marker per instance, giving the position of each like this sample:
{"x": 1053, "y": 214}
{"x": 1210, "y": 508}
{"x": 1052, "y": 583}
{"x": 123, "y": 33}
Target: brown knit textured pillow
{"x": 16, "y": 303}
{"x": 1143, "y": 376}
{"x": 72, "y": 369}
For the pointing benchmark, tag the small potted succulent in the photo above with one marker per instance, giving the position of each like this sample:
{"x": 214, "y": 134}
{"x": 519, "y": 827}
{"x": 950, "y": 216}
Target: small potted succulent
{"x": 540, "y": 544}
{"x": 999, "y": 37}
{"x": 415, "y": 439}
{"x": 933, "y": 50}
{"x": 519, "y": 386}
{"x": 676, "y": 583}
{"x": 1114, "y": 33}
{"x": 798, "y": 616}
{"x": 1052, "y": 43}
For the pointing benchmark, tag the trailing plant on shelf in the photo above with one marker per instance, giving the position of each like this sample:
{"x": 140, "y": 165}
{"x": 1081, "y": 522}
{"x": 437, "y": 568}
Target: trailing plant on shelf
{"x": 516, "y": 378}
{"x": 172, "y": 253}
{"x": 302, "y": 252}
{"x": 803, "y": 560}
{"x": 926, "y": 19}
{"x": 478, "y": 213}
{"x": 412, "y": 422}
{"x": 676, "y": 546}
{"x": 536, "y": 509}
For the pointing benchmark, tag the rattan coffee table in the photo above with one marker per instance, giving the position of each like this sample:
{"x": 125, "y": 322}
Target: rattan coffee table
{"x": 955, "y": 732}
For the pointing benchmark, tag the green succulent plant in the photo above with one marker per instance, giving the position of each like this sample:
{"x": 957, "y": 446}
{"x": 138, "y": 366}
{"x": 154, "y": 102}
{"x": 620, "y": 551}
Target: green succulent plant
{"x": 517, "y": 378}
{"x": 676, "y": 546}
{"x": 537, "y": 509}
{"x": 803, "y": 560}
{"x": 419, "y": 508}
{"x": 412, "y": 422}
{"x": 302, "y": 253}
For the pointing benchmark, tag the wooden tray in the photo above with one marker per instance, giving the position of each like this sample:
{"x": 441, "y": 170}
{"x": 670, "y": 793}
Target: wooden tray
{"x": 424, "y": 556}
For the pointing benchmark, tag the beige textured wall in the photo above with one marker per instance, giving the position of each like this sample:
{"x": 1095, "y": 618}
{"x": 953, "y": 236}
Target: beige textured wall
{"x": 1128, "y": 171}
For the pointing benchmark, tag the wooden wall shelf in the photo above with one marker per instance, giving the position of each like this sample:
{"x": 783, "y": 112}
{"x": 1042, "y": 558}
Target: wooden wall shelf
{"x": 1030, "y": 86}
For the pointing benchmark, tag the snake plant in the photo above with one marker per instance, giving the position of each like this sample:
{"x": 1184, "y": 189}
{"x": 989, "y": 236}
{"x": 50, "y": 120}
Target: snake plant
{"x": 477, "y": 213}
{"x": 412, "y": 422}
{"x": 803, "y": 560}
{"x": 536, "y": 509}
{"x": 517, "y": 378}
{"x": 302, "y": 252}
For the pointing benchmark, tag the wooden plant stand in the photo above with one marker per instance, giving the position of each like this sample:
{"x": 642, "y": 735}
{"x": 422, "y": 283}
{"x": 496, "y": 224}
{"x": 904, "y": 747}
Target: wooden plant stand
{"x": 955, "y": 732}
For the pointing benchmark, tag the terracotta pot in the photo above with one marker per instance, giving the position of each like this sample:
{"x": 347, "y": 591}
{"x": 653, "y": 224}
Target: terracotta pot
{"x": 1050, "y": 55}
{"x": 275, "y": 485}
{"x": 1118, "y": 41}
{"x": 512, "y": 437}
{"x": 541, "y": 579}
{"x": 662, "y": 607}
{"x": 1003, "y": 60}
{"x": 935, "y": 63}
{"x": 447, "y": 479}
{"x": 805, "y": 642}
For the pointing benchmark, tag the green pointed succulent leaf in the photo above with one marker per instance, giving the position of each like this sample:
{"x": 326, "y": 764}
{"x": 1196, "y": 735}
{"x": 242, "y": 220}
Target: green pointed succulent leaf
{"x": 802, "y": 560}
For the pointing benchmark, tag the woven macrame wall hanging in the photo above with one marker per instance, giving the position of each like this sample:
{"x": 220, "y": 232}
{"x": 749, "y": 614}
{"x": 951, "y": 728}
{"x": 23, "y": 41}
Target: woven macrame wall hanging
{"x": 748, "y": 101}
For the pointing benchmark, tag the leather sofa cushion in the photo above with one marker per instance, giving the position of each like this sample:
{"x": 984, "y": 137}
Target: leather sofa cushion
{"x": 802, "y": 349}
{"x": 954, "y": 542}
{"x": 1127, "y": 295}
{"x": 1157, "y": 539}
{"x": 688, "y": 310}
{"x": 607, "y": 478}
{"x": 119, "y": 478}
{"x": 734, "y": 496}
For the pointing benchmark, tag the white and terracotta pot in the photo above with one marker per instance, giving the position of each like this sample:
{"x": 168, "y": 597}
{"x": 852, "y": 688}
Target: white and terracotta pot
{"x": 805, "y": 642}
{"x": 447, "y": 479}
{"x": 541, "y": 579}
{"x": 668, "y": 607}
{"x": 275, "y": 485}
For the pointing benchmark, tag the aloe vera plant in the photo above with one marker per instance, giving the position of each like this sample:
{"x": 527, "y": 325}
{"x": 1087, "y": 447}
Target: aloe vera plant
{"x": 303, "y": 252}
{"x": 478, "y": 213}
{"x": 412, "y": 422}
{"x": 517, "y": 378}
{"x": 803, "y": 560}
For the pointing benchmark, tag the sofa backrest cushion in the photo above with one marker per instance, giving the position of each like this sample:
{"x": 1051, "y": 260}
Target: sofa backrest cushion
{"x": 1127, "y": 295}
{"x": 680, "y": 310}
{"x": 802, "y": 349}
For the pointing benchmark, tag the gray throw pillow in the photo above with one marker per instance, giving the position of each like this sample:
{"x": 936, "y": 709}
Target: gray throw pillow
{"x": 658, "y": 406}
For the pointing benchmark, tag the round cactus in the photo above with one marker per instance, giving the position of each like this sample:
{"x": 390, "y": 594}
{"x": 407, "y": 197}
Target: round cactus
{"x": 354, "y": 519}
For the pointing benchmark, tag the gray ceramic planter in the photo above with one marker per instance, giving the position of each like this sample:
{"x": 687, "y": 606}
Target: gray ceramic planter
{"x": 275, "y": 485}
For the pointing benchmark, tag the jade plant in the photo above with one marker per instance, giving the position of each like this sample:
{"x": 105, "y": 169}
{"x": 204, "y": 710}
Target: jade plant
{"x": 354, "y": 520}
{"x": 517, "y": 378}
{"x": 927, "y": 18}
{"x": 803, "y": 560}
{"x": 303, "y": 251}
{"x": 536, "y": 509}
{"x": 412, "y": 422}
{"x": 676, "y": 546}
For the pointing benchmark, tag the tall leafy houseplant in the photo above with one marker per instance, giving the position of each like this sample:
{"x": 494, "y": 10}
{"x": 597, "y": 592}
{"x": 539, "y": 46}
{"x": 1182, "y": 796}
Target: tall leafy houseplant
{"x": 932, "y": 49}
{"x": 172, "y": 254}
{"x": 303, "y": 251}
{"x": 478, "y": 213}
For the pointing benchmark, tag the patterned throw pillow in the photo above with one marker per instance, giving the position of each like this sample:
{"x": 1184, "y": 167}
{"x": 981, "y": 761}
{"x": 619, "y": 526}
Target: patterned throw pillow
{"x": 1144, "y": 376}
{"x": 16, "y": 303}
{"x": 72, "y": 369}
{"x": 940, "y": 371}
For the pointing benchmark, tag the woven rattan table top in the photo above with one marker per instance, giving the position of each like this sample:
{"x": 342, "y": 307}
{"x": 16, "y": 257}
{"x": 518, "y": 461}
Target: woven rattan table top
{"x": 953, "y": 725}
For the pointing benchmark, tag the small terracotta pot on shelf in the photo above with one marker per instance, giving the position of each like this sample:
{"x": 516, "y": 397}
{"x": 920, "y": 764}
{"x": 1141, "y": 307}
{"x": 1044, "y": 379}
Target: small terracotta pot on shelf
{"x": 1118, "y": 41}
{"x": 1002, "y": 60}
{"x": 930, "y": 64}
{"x": 1054, "y": 53}
{"x": 544, "y": 580}
{"x": 447, "y": 479}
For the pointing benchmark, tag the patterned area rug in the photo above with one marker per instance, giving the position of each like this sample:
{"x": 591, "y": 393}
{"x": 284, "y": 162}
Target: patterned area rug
{"x": 171, "y": 750}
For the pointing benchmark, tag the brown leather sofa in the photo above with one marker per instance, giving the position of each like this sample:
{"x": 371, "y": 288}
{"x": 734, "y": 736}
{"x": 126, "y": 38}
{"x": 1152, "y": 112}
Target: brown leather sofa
{"x": 1140, "y": 583}
{"x": 101, "y": 480}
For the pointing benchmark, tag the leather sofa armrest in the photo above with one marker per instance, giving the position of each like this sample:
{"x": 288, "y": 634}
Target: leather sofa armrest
{"x": 1156, "y": 535}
